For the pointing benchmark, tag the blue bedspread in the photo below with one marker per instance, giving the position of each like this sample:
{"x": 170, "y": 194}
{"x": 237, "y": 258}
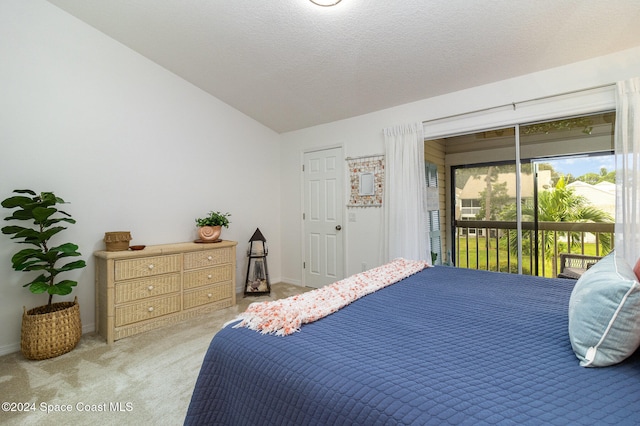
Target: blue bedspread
{"x": 445, "y": 346}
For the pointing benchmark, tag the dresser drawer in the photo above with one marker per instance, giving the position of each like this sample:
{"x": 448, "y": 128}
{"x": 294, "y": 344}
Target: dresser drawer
{"x": 138, "y": 291}
{"x": 145, "y": 267}
{"x": 208, "y": 294}
{"x": 201, "y": 259}
{"x": 129, "y": 291}
{"x": 146, "y": 309}
{"x": 200, "y": 277}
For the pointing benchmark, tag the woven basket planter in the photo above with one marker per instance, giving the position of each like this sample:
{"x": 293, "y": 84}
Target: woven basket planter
{"x": 50, "y": 334}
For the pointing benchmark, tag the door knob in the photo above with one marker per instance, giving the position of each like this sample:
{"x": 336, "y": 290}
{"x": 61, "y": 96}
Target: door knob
{"x": 338, "y": 227}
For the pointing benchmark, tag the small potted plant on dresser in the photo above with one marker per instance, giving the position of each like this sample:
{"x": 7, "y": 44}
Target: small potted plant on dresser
{"x": 210, "y": 227}
{"x": 55, "y": 328}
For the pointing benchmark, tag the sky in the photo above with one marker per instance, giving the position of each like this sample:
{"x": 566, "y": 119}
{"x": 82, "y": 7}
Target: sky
{"x": 578, "y": 166}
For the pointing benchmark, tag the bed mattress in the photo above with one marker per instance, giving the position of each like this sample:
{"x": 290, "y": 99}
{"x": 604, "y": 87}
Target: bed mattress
{"x": 444, "y": 346}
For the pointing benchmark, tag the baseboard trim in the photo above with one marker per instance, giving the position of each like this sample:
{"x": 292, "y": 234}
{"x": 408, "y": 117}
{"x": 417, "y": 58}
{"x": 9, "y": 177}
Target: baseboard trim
{"x": 15, "y": 347}
{"x": 291, "y": 281}
{"x": 272, "y": 280}
{"x": 9, "y": 349}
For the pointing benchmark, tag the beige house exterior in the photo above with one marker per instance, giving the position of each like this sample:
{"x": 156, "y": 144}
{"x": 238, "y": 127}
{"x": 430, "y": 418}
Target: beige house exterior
{"x": 601, "y": 196}
{"x": 469, "y": 196}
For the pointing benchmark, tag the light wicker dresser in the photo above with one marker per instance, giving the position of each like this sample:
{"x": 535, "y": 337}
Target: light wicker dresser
{"x": 137, "y": 291}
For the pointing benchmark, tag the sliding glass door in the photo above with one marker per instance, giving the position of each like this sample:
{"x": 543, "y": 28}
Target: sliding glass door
{"x": 522, "y": 197}
{"x": 573, "y": 210}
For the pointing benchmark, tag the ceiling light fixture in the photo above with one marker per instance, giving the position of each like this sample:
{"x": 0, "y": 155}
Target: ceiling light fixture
{"x": 325, "y": 3}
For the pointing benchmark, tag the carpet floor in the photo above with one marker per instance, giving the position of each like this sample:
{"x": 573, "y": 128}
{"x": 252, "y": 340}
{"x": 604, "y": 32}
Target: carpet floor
{"x": 145, "y": 379}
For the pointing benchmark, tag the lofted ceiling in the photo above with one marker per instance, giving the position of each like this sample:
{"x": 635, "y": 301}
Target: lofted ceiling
{"x": 290, "y": 64}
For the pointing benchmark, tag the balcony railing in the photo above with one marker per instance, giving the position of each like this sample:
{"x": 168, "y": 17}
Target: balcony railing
{"x": 490, "y": 245}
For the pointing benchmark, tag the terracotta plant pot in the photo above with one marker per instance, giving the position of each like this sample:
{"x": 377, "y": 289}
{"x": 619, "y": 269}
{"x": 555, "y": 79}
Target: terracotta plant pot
{"x": 209, "y": 233}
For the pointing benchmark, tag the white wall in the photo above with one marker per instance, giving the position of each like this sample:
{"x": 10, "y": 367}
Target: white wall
{"x": 135, "y": 148}
{"x": 363, "y": 135}
{"x": 131, "y": 146}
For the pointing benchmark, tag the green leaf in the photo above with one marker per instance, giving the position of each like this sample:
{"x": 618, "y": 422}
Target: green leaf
{"x": 12, "y": 229}
{"x": 40, "y": 210}
{"x": 23, "y": 214}
{"x": 55, "y": 220}
{"x": 32, "y": 266}
{"x": 17, "y": 201}
{"x": 40, "y": 278}
{"x": 73, "y": 265}
{"x": 49, "y": 198}
{"x": 41, "y": 214}
{"x": 64, "y": 213}
{"x": 46, "y": 235}
{"x": 27, "y": 254}
{"x": 50, "y": 257}
{"x": 38, "y": 287}
{"x": 62, "y": 288}
{"x": 29, "y": 234}
{"x": 24, "y": 191}
{"x": 69, "y": 249}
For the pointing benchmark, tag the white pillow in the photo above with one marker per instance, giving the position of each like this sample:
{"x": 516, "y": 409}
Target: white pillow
{"x": 604, "y": 313}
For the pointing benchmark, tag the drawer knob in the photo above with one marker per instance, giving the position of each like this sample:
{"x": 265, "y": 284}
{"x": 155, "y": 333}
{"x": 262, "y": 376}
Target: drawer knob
{"x": 209, "y": 295}
{"x": 151, "y": 266}
{"x": 209, "y": 276}
{"x": 150, "y": 287}
{"x": 210, "y": 258}
{"x": 150, "y": 309}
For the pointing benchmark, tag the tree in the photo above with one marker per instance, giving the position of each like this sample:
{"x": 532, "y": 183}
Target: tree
{"x": 595, "y": 178}
{"x": 494, "y": 197}
{"x": 561, "y": 204}
{"x": 497, "y": 200}
{"x": 489, "y": 179}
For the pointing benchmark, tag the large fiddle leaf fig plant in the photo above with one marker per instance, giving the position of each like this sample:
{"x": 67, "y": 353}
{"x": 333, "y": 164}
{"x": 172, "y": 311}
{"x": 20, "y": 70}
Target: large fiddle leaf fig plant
{"x": 45, "y": 221}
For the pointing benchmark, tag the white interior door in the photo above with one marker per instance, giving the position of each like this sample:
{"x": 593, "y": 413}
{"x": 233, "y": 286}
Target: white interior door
{"x": 322, "y": 217}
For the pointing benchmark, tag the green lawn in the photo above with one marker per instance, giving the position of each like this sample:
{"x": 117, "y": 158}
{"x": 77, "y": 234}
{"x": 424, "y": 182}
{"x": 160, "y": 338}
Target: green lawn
{"x": 479, "y": 260}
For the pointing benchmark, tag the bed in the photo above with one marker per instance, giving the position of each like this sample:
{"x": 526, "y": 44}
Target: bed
{"x": 443, "y": 346}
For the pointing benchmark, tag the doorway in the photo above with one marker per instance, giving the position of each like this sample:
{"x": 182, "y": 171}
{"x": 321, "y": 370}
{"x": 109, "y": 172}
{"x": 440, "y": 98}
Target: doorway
{"x": 322, "y": 217}
{"x": 505, "y": 188}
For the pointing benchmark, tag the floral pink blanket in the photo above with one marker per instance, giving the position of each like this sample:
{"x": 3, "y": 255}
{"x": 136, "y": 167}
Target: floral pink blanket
{"x": 286, "y": 316}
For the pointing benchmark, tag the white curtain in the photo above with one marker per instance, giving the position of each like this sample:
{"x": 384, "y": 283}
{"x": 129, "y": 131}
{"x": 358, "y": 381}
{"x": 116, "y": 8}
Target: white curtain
{"x": 405, "y": 219}
{"x": 627, "y": 153}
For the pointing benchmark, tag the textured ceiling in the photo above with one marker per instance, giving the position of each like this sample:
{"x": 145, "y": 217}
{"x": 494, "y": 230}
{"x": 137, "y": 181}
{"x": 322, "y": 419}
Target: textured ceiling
{"x": 291, "y": 64}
